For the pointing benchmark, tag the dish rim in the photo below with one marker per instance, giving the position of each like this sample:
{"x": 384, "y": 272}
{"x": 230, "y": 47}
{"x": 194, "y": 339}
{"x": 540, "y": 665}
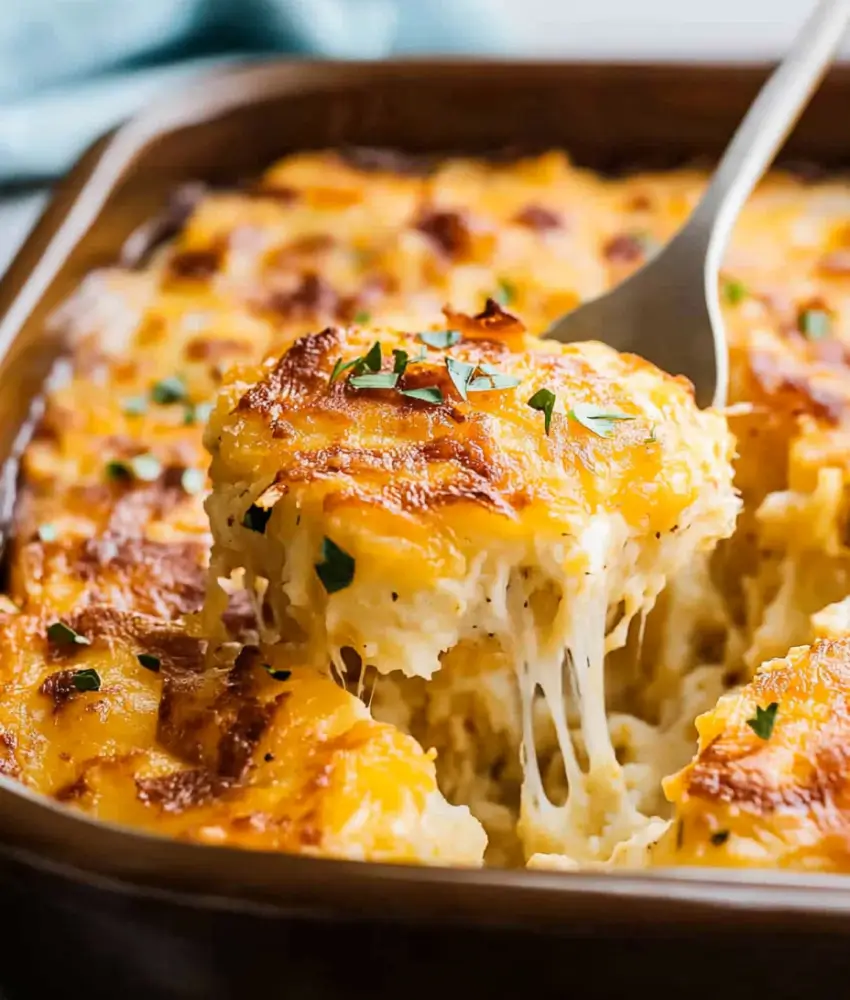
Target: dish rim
{"x": 46, "y": 835}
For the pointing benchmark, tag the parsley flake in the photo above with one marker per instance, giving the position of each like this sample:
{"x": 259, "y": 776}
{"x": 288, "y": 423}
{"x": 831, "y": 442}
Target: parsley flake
{"x": 372, "y": 359}
{"x": 277, "y": 675}
{"x": 256, "y": 518}
{"x": 149, "y": 661}
{"x": 492, "y": 379}
{"x": 734, "y": 291}
{"x": 400, "y": 361}
{"x": 47, "y": 532}
{"x": 427, "y": 394}
{"x": 61, "y": 634}
{"x": 118, "y": 471}
{"x": 505, "y": 292}
{"x": 440, "y": 338}
{"x": 86, "y": 680}
{"x": 719, "y": 838}
{"x": 763, "y": 721}
{"x": 336, "y": 569}
{"x": 814, "y": 324}
{"x": 340, "y": 367}
{"x": 134, "y": 406}
{"x": 169, "y": 390}
{"x": 379, "y": 380}
{"x": 460, "y": 372}
{"x": 193, "y": 481}
{"x": 544, "y": 400}
{"x": 600, "y": 422}
{"x": 362, "y": 317}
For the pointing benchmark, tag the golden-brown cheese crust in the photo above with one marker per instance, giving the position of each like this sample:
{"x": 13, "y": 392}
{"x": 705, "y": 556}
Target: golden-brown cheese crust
{"x": 325, "y": 239}
{"x": 378, "y": 447}
{"x": 780, "y": 801}
{"x": 225, "y": 754}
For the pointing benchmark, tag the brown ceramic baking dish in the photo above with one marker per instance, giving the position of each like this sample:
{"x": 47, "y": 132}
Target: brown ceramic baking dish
{"x": 112, "y": 911}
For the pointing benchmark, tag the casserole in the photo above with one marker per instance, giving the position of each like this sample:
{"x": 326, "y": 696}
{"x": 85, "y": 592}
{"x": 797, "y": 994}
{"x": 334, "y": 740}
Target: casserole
{"x": 221, "y": 132}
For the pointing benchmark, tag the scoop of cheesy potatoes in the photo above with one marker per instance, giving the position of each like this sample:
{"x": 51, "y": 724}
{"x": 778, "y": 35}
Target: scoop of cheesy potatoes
{"x": 450, "y": 578}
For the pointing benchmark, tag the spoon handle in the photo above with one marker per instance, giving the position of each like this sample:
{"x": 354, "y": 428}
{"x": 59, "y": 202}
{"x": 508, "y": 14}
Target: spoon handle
{"x": 760, "y": 135}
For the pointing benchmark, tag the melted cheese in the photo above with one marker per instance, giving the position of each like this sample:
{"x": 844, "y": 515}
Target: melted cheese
{"x": 549, "y": 545}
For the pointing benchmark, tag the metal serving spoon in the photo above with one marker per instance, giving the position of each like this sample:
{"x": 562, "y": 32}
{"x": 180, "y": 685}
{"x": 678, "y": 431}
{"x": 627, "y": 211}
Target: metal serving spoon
{"x": 668, "y": 312}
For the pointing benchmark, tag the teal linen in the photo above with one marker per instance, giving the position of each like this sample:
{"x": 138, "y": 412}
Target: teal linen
{"x": 70, "y": 69}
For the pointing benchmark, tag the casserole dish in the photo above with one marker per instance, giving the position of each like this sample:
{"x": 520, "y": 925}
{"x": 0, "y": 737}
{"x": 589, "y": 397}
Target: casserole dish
{"x": 185, "y": 920}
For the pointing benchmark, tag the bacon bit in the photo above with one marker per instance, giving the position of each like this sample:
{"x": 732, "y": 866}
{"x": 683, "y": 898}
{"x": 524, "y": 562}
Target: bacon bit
{"x": 59, "y": 687}
{"x": 625, "y": 248}
{"x": 835, "y": 264}
{"x": 493, "y": 323}
{"x": 448, "y": 231}
{"x": 195, "y": 264}
{"x": 539, "y": 218}
{"x": 314, "y": 296}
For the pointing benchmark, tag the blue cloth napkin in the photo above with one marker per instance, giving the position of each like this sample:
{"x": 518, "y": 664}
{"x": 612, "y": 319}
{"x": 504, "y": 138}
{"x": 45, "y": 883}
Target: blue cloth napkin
{"x": 70, "y": 69}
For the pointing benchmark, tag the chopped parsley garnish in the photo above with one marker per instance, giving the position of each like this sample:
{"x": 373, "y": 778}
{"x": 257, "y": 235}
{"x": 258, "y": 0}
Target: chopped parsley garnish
{"x": 460, "y": 372}
{"x": 192, "y": 481}
{"x": 595, "y": 419}
{"x": 86, "y": 680}
{"x": 47, "y": 532}
{"x": 149, "y": 661}
{"x": 61, "y": 634}
{"x": 362, "y": 317}
{"x": 169, "y": 390}
{"x": 256, "y": 518}
{"x": 197, "y": 413}
{"x": 734, "y": 291}
{"x": 336, "y": 569}
{"x": 146, "y": 468}
{"x": 763, "y": 722}
{"x": 505, "y": 292}
{"x": 371, "y": 362}
{"x": 372, "y": 359}
{"x": 440, "y": 338}
{"x": 491, "y": 378}
{"x": 381, "y": 380}
{"x": 340, "y": 367}
{"x": 427, "y": 394}
{"x": 118, "y": 470}
{"x": 134, "y": 406}
{"x": 719, "y": 838}
{"x": 400, "y": 361}
{"x": 815, "y": 324}
{"x": 277, "y": 675}
{"x": 653, "y": 436}
{"x": 544, "y": 400}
